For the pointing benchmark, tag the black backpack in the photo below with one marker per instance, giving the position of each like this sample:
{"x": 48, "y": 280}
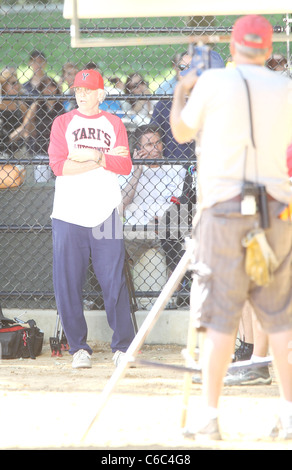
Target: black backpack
{"x": 19, "y": 339}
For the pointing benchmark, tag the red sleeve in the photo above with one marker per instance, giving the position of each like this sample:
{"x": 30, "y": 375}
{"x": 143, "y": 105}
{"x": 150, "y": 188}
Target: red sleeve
{"x": 289, "y": 160}
{"x": 115, "y": 163}
{"x": 58, "y": 148}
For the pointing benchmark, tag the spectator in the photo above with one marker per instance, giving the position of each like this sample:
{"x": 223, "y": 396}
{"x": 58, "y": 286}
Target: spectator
{"x": 137, "y": 110}
{"x": 179, "y": 62}
{"x": 92, "y": 66}
{"x": 114, "y": 106}
{"x": 147, "y": 194}
{"x": 277, "y": 62}
{"x": 69, "y": 71}
{"x": 36, "y": 126}
{"x": 174, "y": 150}
{"x": 118, "y": 85}
{"x": 37, "y": 123}
{"x": 37, "y": 63}
{"x": 12, "y": 111}
{"x": 160, "y": 117}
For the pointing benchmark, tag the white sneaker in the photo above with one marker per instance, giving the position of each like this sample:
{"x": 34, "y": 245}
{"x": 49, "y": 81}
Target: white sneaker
{"x": 209, "y": 432}
{"x": 118, "y": 357}
{"x": 281, "y": 430}
{"x": 81, "y": 359}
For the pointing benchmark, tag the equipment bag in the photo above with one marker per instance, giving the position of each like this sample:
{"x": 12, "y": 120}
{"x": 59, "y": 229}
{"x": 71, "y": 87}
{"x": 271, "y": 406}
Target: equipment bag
{"x": 20, "y": 339}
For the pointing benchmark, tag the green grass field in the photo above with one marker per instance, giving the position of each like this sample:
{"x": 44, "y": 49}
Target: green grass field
{"x": 15, "y": 47}
{"x": 154, "y": 62}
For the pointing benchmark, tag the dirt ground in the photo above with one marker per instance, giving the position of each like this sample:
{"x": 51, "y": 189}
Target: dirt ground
{"x": 45, "y": 404}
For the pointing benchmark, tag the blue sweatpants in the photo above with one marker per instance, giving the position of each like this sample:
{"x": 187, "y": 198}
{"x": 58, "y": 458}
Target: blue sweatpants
{"x": 72, "y": 247}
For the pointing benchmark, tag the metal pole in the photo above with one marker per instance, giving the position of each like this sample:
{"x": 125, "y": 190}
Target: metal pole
{"x": 154, "y": 41}
{"x": 288, "y": 21}
{"x": 145, "y": 329}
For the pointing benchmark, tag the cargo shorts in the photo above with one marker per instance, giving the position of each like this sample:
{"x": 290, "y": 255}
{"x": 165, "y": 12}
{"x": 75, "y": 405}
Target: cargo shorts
{"x": 220, "y": 284}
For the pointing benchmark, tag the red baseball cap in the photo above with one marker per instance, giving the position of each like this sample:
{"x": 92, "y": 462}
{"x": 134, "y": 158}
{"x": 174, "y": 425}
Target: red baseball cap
{"x": 253, "y": 31}
{"x": 88, "y": 79}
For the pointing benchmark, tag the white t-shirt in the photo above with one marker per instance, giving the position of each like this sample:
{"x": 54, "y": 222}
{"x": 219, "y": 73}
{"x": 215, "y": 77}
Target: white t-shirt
{"x": 153, "y": 194}
{"x": 217, "y": 110}
{"x": 87, "y": 199}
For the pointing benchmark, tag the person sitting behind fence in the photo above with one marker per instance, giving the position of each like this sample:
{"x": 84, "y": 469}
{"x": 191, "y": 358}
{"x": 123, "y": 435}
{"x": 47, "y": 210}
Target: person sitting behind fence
{"x": 66, "y": 81}
{"x": 37, "y": 64}
{"x": 147, "y": 197}
{"x": 12, "y": 111}
{"x": 137, "y": 110}
{"x": 278, "y": 63}
{"x": 179, "y": 61}
{"x": 37, "y": 123}
{"x": 160, "y": 117}
{"x": 114, "y": 106}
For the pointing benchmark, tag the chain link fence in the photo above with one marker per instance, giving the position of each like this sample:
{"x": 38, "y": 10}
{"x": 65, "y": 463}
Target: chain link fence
{"x": 37, "y": 66}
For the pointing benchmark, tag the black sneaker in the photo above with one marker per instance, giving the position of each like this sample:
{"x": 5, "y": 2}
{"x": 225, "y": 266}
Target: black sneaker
{"x": 249, "y": 376}
{"x": 243, "y": 352}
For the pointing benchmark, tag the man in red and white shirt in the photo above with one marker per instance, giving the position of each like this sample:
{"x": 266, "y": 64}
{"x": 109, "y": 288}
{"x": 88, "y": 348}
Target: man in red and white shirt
{"x": 88, "y": 150}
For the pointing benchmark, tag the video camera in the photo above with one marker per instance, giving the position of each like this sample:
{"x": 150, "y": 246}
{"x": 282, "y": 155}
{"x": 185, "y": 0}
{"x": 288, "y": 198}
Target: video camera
{"x": 201, "y": 58}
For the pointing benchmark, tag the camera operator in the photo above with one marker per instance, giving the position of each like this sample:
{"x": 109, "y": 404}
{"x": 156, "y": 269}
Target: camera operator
{"x": 235, "y": 148}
